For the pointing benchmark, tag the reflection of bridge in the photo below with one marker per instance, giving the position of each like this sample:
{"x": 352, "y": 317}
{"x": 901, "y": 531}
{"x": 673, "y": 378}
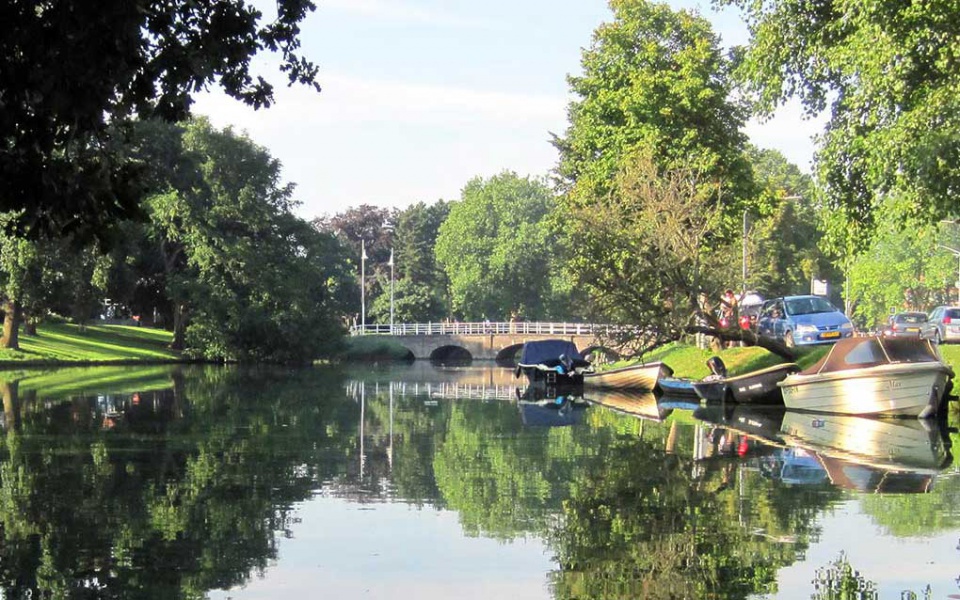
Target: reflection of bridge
{"x": 445, "y": 390}
{"x": 482, "y": 341}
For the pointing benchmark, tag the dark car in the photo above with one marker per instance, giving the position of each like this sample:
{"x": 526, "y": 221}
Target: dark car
{"x": 905, "y": 324}
{"x": 943, "y": 324}
{"x": 802, "y": 320}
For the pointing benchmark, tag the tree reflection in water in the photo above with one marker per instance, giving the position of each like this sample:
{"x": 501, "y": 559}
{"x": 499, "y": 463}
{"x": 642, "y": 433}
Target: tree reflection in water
{"x": 189, "y": 485}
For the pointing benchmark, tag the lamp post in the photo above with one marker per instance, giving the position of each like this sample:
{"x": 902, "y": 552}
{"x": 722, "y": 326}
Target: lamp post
{"x": 957, "y": 254}
{"x": 363, "y": 286}
{"x": 743, "y": 288}
{"x": 391, "y": 290}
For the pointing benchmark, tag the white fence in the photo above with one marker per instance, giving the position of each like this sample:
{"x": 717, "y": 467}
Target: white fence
{"x": 484, "y": 328}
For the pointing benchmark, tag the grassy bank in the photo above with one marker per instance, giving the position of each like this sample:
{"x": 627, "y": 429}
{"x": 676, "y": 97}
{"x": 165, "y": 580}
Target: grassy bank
{"x": 63, "y": 343}
{"x": 690, "y": 361}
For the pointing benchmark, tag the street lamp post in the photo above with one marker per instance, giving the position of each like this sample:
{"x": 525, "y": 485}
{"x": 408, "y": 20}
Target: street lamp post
{"x": 391, "y": 290}
{"x": 743, "y": 290}
{"x": 957, "y": 254}
{"x": 363, "y": 286}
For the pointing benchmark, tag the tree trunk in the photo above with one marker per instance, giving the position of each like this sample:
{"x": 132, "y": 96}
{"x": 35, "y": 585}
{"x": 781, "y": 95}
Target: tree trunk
{"x": 11, "y": 325}
{"x": 179, "y": 326}
{"x": 745, "y": 335}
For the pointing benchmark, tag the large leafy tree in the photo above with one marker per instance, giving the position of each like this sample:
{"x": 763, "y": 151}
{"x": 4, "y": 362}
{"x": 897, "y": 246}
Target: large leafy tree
{"x": 245, "y": 278}
{"x": 496, "y": 249}
{"x": 420, "y": 286}
{"x": 653, "y": 113}
{"x": 887, "y": 74}
{"x": 45, "y": 275}
{"x": 901, "y": 269}
{"x": 70, "y": 69}
{"x": 783, "y": 251}
{"x": 655, "y": 80}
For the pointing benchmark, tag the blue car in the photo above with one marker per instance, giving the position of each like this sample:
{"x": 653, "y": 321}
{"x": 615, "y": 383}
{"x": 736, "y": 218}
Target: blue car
{"x": 803, "y": 320}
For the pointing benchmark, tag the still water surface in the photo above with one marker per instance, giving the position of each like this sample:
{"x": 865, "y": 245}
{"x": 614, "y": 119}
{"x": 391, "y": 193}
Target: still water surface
{"x": 428, "y": 482}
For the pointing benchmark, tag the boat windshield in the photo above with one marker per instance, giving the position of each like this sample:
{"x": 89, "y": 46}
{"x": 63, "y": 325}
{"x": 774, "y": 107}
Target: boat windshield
{"x": 909, "y": 351}
{"x": 808, "y": 306}
{"x": 858, "y": 353}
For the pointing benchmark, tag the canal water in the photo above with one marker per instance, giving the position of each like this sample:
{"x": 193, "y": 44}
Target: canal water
{"x": 430, "y": 482}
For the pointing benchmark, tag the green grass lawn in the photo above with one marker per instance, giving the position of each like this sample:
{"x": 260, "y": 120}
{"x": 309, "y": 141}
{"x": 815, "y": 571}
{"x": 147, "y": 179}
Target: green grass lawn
{"x": 66, "y": 343}
{"x": 690, "y": 361}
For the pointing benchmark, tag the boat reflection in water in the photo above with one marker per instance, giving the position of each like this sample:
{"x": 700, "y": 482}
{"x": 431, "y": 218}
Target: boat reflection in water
{"x": 636, "y": 403}
{"x": 542, "y": 407}
{"x": 856, "y": 453}
{"x": 866, "y": 454}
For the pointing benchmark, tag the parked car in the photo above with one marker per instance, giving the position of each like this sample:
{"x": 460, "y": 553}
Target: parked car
{"x": 803, "y": 320}
{"x": 943, "y": 324}
{"x": 904, "y": 324}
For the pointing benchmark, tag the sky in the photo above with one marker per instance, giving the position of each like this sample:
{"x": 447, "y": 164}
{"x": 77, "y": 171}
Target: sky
{"x": 421, "y": 96}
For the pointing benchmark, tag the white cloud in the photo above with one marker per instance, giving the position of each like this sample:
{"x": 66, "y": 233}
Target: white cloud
{"x": 394, "y": 10}
{"x": 345, "y": 99}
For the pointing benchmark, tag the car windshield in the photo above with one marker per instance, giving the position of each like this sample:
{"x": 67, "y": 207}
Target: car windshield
{"x": 808, "y": 306}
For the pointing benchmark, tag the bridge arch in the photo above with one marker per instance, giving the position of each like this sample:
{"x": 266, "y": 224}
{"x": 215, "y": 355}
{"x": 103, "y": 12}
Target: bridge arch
{"x": 599, "y": 354}
{"x": 451, "y": 353}
{"x": 507, "y": 356}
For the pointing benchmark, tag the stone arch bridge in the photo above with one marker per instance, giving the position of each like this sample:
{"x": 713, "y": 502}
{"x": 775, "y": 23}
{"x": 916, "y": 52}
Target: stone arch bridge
{"x": 483, "y": 341}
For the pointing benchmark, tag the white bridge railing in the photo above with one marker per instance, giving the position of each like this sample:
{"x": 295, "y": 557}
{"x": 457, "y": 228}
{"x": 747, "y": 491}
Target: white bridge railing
{"x": 483, "y": 328}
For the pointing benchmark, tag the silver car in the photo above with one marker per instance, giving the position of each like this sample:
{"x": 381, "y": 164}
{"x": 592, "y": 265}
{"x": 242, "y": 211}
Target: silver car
{"x": 943, "y": 324}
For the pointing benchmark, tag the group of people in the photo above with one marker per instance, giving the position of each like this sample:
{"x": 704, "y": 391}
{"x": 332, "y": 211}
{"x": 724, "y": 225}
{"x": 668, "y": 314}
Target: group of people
{"x": 727, "y": 312}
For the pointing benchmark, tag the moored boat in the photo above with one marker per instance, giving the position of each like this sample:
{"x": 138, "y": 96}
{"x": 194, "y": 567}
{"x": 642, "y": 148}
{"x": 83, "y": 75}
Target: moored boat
{"x": 759, "y": 386}
{"x": 633, "y": 377}
{"x": 872, "y": 376}
{"x": 552, "y": 362}
{"x": 677, "y": 387}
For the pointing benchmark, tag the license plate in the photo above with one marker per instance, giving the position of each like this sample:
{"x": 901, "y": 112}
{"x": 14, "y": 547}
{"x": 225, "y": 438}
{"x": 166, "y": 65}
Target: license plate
{"x": 830, "y": 334}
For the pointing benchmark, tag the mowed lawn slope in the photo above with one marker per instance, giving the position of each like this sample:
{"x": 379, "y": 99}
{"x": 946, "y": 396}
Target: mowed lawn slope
{"x": 66, "y": 343}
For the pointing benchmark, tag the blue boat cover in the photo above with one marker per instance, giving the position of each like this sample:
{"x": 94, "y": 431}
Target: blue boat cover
{"x": 548, "y": 351}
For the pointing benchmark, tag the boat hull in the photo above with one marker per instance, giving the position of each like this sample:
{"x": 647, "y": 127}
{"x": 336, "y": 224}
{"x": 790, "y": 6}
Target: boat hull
{"x": 548, "y": 376}
{"x": 908, "y": 389}
{"x": 761, "y": 386}
{"x": 677, "y": 388}
{"x": 755, "y": 387}
{"x": 635, "y": 377}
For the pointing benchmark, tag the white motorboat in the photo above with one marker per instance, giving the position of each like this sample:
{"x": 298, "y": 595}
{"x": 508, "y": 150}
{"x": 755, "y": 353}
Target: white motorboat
{"x": 872, "y": 376}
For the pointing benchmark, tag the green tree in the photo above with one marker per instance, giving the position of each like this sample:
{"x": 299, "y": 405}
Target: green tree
{"x": 246, "y": 278}
{"x": 420, "y": 294}
{"x": 43, "y": 275}
{"x": 496, "y": 249}
{"x": 70, "y": 70}
{"x": 364, "y": 230}
{"x": 783, "y": 229}
{"x": 901, "y": 269}
{"x": 654, "y": 102}
{"x": 886, "y": 73}
{"x": 654, "y": 80}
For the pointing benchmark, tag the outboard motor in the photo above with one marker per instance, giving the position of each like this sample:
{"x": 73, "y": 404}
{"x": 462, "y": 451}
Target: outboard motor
{"x": 566, "y": 362}
{"x": 717, "y": 367}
